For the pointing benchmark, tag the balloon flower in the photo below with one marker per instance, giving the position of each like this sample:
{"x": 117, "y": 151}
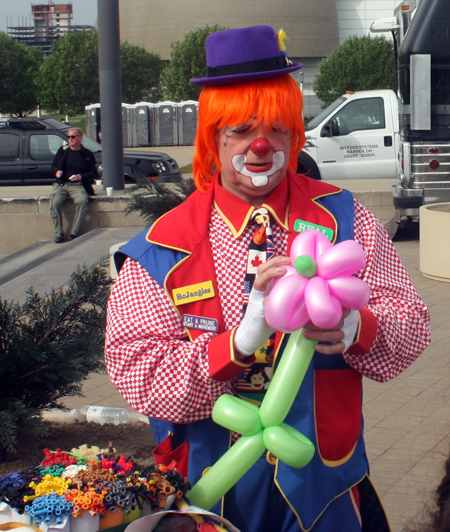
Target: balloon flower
{"x": 318, "y": 285}
{"x": 316, "y": 288}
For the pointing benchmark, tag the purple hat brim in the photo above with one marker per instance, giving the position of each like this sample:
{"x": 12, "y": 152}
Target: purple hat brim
{"x": 240, "y": 78}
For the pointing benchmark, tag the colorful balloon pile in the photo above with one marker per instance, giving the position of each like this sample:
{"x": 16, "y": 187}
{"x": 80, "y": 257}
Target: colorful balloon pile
{"x": 93, "y": 482}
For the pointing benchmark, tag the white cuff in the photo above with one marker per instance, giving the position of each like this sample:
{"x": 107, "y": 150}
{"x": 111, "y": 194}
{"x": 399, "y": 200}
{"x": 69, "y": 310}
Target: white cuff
{"x": 351, "y": 323}
{"x": 254, "y": 329}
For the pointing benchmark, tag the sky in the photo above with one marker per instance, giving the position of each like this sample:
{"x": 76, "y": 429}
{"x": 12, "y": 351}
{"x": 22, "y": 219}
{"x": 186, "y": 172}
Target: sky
{"x": 84, "y": 11}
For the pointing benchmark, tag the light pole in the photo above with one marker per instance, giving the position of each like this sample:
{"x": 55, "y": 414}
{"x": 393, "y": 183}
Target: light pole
{"x": 110, "y": 93}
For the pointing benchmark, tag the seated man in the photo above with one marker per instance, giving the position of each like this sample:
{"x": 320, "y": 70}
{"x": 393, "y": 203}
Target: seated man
{"x": 186, "y": 316}
{"x": 75, "y": 171}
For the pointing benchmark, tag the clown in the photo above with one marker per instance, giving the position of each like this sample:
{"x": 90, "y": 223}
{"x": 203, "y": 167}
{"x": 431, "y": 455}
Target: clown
{"x": 186, "y": 319}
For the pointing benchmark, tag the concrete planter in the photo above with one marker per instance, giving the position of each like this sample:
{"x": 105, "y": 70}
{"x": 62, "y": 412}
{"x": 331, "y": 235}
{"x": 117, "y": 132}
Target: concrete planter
{"x": 435, "y": 241}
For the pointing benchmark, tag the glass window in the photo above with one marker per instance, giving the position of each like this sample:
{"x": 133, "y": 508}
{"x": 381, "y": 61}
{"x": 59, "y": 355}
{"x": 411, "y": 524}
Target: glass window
{"x": 318, "y": 119}
{"x": 9, "y": 147}
{"x": 367, "y": 113}
{"x": 44, "y": 147}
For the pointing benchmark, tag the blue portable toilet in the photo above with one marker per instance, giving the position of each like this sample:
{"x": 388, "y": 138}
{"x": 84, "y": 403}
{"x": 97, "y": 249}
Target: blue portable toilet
{"x": 187, "y": 122}
{"x": 93, "y": 121}
{"x": 166, "y": 115}
{"x": 144, "y": 124}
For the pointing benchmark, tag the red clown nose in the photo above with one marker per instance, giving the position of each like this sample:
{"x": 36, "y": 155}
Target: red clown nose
{"x": 260, "y": 146}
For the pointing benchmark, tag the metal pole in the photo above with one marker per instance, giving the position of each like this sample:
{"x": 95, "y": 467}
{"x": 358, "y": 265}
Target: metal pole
{"x": 110, "y": 93}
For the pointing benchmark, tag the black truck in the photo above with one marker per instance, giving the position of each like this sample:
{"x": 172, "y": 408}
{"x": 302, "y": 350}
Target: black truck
{"x": 28, "y": 147}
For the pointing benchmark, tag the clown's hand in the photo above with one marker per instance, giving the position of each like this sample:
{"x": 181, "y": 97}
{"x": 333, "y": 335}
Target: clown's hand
{"x": 254, "y": 329}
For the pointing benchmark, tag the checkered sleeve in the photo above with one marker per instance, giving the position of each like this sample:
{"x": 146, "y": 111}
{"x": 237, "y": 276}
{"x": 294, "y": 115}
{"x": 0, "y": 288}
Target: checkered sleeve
{"x": 396, "y": 319}
{"x": 148, "y": 357}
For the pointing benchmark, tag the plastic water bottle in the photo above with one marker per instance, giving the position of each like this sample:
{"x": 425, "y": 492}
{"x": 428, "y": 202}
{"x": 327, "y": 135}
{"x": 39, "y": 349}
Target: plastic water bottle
{"x": 104, "y": 414}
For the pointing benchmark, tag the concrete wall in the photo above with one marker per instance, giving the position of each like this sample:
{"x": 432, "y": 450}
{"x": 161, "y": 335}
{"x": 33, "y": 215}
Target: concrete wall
{"x": 356, "y": 16}
{"x": 311, "y": 25}
{"x": 24, "y": 221}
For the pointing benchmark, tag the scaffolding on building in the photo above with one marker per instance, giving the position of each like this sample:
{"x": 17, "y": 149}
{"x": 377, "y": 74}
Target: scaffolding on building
{"x": 50, "y": 22}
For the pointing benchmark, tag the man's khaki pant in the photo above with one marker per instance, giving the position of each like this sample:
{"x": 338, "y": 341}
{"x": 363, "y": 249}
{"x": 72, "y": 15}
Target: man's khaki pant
{"x": 58, "y": 197}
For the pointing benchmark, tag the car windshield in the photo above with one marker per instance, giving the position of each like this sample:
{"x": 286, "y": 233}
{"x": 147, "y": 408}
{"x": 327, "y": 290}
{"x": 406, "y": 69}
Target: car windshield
{"x": 327, "y": 111}
{"x": 91, "y": 145}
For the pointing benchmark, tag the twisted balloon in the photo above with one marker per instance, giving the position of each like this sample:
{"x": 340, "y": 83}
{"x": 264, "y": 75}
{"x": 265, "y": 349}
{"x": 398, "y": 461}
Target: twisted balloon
{"x": 318, "y": 285}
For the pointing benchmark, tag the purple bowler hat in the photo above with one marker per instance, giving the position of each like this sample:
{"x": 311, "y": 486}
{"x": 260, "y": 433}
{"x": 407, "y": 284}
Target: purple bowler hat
{"x": 244, "y": 54}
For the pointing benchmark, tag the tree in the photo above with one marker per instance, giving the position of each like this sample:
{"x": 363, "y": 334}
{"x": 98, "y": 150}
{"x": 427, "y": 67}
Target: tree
{"x": 359, "y": 63}
{"x": 48, "y": 346}
{"x": 141, "y": 71}
{"x": 187, "y": 61}
{"x": 69, "y": 77}
{"x": 19, "y": 65}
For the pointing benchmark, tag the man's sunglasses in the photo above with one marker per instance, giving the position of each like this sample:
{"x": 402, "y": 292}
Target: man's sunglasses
{"x": 72, "y": 136}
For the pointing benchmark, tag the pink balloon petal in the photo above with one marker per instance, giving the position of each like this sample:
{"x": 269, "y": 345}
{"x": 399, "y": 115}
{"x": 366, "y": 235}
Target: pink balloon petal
{"x": 311, "y": 243}
{"x": 294, "y": 300}
{"x": 353, "y": 293}
{"x": 324, "y": 309}
{"x": 344, "y": 258}
{"x": 285, "y": 307}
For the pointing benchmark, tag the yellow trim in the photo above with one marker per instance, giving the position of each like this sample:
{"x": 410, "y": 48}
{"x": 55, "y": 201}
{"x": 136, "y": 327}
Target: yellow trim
{"x": 322, "y": 512}
{"x": 147, "y": 237}
{"x": 355, "y": 507}
{"x": 275, "y": 355}
{"x": 380, "y": 501}
{"x": 335, "y": 463}
{"x": 256, "y": 403}
{"x": 11, "y": 525}
{"x": 271, "y": 458}
{"x": 285, "y": 224}
{"x": 177, "y": 265}
{"x": 326, "y": 210}
{"x": 239, "y": 232}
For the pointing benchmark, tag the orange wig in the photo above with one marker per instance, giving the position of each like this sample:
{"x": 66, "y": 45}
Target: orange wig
{"x": 275, "y": 101}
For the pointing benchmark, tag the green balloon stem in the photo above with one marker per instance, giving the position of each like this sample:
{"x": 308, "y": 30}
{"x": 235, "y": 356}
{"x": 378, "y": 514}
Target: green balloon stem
{"x": 287, "y": 379}
{"x": 224, "y": 474}
{"x": 285, "y": 442}
{"x": 306, "y": 266}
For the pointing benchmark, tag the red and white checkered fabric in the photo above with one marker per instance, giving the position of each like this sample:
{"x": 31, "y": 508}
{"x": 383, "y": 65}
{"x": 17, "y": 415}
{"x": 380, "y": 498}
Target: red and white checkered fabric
{"x": 162, "y": 375}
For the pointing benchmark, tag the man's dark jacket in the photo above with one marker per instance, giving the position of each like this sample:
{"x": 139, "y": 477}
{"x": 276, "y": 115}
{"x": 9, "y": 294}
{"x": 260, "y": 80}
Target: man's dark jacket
{"x": 88, "y": 172}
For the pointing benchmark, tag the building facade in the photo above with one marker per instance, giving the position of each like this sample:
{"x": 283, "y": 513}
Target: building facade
{"x": 50, "y": 22}
{"x": 314, "y": 27}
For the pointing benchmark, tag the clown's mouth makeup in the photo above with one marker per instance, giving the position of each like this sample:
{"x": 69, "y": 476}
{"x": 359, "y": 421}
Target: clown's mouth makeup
{"x": 259, "y": 173}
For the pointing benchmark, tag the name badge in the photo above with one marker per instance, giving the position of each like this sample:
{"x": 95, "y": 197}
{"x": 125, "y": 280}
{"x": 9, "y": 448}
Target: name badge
{"x": 202, "y": 324}
{"x": 193, "y": 292}
{"x": 300, "y": 226}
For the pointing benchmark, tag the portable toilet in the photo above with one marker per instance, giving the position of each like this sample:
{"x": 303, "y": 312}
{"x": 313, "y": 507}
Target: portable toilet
{"x": 94, "y": 121}
{"x": 144, "y": 124}
{"x": 127, "y": 125}
{"x": 166, "y": 123}
{"x": 187, "y": 122}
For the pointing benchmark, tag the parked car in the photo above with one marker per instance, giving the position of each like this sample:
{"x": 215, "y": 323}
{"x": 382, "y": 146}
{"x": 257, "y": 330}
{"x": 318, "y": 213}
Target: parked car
{"x": 28, "y": 146}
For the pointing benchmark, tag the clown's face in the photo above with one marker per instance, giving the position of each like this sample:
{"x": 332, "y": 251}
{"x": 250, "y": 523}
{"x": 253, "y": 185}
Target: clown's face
{"x": 254, "y": 161}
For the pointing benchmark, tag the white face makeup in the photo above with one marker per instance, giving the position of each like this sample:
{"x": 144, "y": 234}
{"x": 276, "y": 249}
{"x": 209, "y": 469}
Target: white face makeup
{"x": 253, "y": 159}
{"x": 259, "y": 179}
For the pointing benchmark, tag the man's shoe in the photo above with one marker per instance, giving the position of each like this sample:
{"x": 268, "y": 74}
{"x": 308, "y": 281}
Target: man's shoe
{"x": 59, "y": 239}
{"x": 71, "y": 237}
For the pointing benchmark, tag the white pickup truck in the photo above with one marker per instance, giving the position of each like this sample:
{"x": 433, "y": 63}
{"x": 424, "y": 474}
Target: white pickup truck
{"x": 355, "y": 137}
